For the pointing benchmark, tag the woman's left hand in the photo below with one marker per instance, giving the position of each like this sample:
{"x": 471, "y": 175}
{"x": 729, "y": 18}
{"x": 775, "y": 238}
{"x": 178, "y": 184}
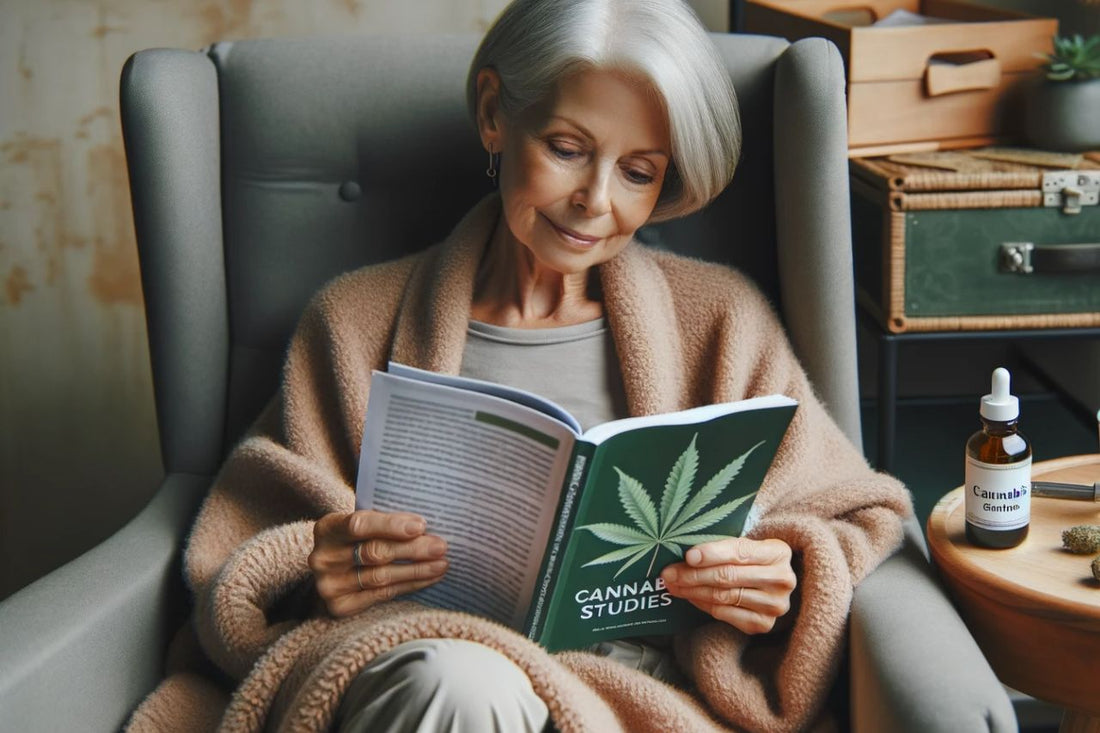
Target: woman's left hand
{"x": 745, "y": 583}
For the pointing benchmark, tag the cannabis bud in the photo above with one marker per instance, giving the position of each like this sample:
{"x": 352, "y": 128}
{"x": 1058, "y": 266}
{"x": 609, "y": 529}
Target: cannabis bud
{"x": 1096, "y": 567}
{"x": 1082, "y": 540}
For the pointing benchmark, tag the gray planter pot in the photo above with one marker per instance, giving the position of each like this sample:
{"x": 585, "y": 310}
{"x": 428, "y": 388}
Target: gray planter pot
{"x": 1064, "y": 115}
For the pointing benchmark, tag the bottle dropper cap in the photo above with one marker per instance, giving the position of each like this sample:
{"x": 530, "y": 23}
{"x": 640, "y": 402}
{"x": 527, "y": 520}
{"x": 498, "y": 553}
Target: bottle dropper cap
{"x": 999, "y": 405}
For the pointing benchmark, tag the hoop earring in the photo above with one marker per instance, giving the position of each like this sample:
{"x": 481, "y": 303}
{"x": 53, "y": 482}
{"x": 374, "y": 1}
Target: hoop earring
{"x": 494, "y": 162}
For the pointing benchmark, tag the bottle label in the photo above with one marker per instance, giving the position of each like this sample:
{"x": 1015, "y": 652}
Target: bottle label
{"x": 998, "y": 496}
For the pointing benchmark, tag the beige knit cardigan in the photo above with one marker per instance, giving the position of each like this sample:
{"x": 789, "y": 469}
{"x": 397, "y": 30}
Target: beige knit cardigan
{"x": 686, "y": 333}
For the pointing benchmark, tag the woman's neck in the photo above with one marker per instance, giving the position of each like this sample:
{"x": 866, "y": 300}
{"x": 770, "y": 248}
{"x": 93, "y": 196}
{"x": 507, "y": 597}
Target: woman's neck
{"x": 513, "y": 289}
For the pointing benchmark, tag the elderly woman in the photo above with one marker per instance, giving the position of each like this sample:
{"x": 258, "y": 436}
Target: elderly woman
{"x": 598, "y": 116}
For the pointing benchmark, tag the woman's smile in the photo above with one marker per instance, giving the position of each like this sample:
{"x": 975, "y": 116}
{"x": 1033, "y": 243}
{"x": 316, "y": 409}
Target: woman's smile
{"x": 570, "y": 236}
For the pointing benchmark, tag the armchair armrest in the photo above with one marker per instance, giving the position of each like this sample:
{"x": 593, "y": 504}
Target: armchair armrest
{"x": 82, "y": 646}
{"x": 909, "y": 647}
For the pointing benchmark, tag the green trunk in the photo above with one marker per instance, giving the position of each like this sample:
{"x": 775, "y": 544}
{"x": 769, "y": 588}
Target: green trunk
{"x": 952, "y": 256}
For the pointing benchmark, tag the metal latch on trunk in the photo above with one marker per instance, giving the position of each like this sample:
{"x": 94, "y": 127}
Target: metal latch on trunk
{"x": 1070, "y": 190}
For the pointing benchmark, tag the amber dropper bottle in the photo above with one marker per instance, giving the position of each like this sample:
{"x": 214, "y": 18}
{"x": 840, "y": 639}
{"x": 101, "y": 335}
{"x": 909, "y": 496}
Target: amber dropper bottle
{"x": 998, "y": 472}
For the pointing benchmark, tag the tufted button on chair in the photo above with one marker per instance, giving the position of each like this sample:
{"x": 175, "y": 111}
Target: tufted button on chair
{"x": 260, "y": 169}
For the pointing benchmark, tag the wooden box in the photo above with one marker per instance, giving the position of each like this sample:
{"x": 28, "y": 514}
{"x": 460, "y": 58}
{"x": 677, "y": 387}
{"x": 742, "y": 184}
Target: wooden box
{"x": 953, "y": 241}
{"x": 946, "y": 85}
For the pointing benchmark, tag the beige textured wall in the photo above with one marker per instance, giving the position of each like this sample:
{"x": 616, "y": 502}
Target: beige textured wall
{"x": 78, "y": 446}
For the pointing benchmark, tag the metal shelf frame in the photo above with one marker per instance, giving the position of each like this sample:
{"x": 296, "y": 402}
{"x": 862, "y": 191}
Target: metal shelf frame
{"x": 888, "y": 348}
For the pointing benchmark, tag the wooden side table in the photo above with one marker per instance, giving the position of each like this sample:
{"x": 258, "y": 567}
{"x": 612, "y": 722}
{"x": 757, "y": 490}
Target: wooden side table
{"x": 1033, "y": 609}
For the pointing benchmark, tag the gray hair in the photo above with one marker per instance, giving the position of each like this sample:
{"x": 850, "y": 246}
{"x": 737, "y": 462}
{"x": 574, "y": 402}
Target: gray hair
{"x": 535, "y": 43}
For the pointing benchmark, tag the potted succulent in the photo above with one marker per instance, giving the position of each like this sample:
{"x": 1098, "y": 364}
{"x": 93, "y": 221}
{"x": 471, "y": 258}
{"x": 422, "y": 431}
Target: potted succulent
{"x": 1063, "y": 107}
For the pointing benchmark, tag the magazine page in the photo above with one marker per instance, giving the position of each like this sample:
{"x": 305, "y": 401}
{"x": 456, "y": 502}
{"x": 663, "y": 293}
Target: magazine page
{"x": 486, "y": 474}
{"x": 513, "y": 394}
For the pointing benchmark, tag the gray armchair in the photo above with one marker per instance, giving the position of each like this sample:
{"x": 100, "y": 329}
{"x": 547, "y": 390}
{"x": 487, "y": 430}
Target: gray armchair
{"x": 260, "y": 169}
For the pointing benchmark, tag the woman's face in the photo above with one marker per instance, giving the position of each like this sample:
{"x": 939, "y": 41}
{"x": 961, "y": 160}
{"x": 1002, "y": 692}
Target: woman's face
{"x": 582, "y": 171}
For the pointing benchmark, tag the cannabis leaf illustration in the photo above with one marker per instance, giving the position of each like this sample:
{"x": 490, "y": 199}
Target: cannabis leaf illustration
{"x": 680, "y": 518}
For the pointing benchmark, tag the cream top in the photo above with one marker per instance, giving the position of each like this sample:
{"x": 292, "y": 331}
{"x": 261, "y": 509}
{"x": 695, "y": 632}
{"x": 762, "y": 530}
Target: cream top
{"x": 575, "y": 366}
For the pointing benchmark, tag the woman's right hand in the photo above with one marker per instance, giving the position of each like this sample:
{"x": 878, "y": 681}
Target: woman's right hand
{"x": 397, "y": 557}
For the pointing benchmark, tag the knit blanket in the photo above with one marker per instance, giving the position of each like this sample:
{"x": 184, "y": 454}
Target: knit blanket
{"x": 686, "y": 333}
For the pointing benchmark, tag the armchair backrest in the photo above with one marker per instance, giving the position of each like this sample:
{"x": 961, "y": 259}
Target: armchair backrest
{"x": 260, "y": 169}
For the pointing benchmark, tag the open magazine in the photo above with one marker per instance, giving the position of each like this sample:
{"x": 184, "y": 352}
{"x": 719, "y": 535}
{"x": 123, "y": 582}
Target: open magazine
{"x": 558, "y": 533}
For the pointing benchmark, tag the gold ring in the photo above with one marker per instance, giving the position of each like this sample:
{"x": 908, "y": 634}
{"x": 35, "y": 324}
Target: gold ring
{"x": 355, "y": 556}
{"x": 359, "y": 578}
{"x": 740, "y": 592}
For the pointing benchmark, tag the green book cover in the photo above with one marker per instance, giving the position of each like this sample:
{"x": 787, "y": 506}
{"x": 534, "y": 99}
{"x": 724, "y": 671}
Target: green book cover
{"x": 557, "y": 533}
{"x": 648, "y": 495}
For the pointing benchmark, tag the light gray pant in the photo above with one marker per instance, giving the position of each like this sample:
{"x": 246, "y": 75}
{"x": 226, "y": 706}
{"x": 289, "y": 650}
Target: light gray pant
{"x": 455, "y": 686}
{"x": 441, "y": 685}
